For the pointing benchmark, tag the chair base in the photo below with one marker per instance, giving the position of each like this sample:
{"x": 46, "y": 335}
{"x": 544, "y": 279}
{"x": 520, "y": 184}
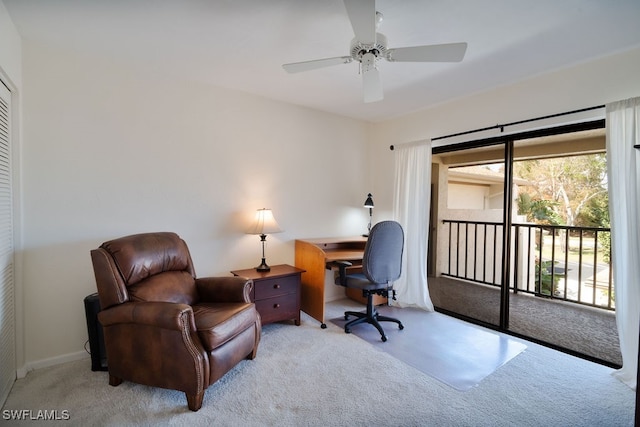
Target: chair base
{"x": 371, "y": 316}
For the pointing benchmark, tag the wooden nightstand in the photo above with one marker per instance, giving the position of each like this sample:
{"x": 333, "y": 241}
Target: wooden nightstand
{"x": 276, "y": 292}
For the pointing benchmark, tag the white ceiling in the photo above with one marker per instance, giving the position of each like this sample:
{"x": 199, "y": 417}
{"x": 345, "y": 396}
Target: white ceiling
{"x": 241, "y": 44}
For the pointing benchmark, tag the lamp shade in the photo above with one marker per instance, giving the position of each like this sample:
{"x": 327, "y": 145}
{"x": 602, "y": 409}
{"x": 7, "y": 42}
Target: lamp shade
{"x": 264, "y": 223}
{"x": 369, "y": 202}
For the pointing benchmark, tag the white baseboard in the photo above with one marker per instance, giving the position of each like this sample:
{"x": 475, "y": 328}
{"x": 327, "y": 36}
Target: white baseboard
{"x": 52, "y": 361}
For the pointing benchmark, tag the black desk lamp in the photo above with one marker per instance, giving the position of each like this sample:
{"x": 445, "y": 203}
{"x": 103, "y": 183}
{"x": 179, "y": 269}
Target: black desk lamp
{"x": 264, "y": 224}
{"x": 369, "y": 204}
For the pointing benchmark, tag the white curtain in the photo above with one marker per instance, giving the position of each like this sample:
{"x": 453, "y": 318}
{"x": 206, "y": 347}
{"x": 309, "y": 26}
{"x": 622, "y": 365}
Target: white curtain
{"x": 623, "y": 132}
{"x": 411, "y": 209}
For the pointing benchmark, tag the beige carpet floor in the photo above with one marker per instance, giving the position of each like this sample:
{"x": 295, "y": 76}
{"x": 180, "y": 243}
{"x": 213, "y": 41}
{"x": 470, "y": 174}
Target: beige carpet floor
{"x": 308, "y": 376}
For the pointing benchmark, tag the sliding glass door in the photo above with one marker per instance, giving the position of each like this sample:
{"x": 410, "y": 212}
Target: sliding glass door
{"x": 520, "y": 238}
{"x": 561, "y": 283}
{"x": 468, "y": 232}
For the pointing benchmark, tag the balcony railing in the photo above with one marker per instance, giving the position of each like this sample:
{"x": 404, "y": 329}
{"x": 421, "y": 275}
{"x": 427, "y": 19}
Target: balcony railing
{"x": 559, "y": 262}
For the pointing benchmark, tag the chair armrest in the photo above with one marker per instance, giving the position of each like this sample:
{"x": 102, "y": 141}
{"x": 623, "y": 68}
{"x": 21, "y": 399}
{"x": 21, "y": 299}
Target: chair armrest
{"x": 224, "y": 289}
{"x": 342, "y": 270}
{"x": 166, "y": 315}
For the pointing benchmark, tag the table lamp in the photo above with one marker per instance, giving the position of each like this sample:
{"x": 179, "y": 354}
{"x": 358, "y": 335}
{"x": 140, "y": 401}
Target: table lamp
{"x": 369, "y": 204}
{"x": 264, "y": 224}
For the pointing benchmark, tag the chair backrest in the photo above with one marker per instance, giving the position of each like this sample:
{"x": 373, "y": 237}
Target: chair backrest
{"x": 382, "y": 259}
{"x": 144, "y": 267}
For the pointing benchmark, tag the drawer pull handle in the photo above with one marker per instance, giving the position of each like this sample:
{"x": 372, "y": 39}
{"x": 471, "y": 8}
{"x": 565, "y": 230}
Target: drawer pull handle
{"x": 276, "y": 286}
{"x": 276, "y": 305}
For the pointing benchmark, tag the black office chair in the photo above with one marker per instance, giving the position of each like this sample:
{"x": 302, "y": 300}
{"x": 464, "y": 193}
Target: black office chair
{"x": 381, "y": 266}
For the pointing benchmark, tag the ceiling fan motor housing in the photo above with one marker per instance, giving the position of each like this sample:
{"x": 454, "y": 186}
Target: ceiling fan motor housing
{"x": 378, "y": 49}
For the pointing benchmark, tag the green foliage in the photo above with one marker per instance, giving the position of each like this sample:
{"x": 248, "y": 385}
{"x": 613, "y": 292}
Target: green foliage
{"x": 545, "y": 278}
{"x": 564, "y": 190}
{"x": 604, "y": 243}
{"x": 537, "y": 210}
{"x": 595, "y": 212}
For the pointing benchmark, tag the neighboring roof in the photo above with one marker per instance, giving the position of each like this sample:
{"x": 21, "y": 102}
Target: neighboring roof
{"x": 481, "y": 175}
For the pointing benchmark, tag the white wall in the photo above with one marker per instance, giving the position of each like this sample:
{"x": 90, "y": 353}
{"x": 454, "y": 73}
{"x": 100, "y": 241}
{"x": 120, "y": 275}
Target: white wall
{"x": 110, "y": 150}
{"x": 467, "y": 196}
{"x": 10, "y": 49}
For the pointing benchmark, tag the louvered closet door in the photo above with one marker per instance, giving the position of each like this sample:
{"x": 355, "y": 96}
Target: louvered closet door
{"x": 7, "y": 311}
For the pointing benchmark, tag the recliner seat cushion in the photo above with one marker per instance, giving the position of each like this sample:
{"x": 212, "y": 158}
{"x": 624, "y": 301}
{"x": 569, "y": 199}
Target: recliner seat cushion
{"x": 218, "y": 323}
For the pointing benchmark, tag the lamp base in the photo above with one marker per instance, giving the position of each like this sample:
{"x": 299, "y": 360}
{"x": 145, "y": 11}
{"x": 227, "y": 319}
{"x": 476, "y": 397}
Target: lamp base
{"x": 263, "y": 266}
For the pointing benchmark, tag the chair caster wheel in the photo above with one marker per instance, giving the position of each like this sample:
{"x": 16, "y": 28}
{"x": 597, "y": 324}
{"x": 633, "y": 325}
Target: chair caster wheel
{"x": 347, "y": 331}
{"x": 323, "y": 326}
{"x": 384, "y": 338}
{"x": 401, "y": 326}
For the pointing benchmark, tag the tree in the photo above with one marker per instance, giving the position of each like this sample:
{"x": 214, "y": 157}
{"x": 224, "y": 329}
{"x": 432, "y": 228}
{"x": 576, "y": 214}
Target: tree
{"x": 596, "y": 214}
{"x": 567, "y": 186}
{"x": 538, "y": 211}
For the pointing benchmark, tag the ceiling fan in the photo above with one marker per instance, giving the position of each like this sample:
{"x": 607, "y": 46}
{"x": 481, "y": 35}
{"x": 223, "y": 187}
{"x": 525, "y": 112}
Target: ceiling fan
{"x": 369, "y": 46}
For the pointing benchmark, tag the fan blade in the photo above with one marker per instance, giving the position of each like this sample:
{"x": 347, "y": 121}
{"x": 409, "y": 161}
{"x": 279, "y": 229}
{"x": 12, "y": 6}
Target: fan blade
{"x": 297, "y": 67}
{"x": 362, "y": 14}
{"x": 372, "y": 86}
{"x": 450, "y": 52}
{"x": 371, "y": 83}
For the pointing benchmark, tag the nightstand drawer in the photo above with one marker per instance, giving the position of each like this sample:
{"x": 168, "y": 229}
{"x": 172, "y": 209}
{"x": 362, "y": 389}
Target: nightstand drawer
{"x": 274, "y": 287}
{"x": 278, "y": 308}
{"x": 276, "y": 292}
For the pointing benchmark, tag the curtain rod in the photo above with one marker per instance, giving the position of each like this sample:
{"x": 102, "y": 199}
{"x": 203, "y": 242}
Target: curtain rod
{"x": 502, "y": 126}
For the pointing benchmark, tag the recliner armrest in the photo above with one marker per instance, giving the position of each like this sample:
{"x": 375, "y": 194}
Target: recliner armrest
{"x": 224, "y": 289}
{"x": 166, "y": 315}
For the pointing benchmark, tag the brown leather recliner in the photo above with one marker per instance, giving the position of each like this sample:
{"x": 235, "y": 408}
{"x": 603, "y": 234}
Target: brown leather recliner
{"x": 164, "y": 327}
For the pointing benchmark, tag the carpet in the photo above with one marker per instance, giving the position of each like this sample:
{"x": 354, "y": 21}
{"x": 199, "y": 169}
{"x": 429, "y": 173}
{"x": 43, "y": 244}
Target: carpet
{"x": 308, "y": 376}
{"x": 454, "y": 352}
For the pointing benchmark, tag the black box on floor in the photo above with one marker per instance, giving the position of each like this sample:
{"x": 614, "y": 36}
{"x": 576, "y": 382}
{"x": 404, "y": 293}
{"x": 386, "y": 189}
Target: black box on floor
{"x": 96, "y": 337}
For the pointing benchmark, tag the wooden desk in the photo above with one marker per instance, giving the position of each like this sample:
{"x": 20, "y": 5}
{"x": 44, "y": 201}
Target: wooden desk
{"x": 312, "y": 255}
